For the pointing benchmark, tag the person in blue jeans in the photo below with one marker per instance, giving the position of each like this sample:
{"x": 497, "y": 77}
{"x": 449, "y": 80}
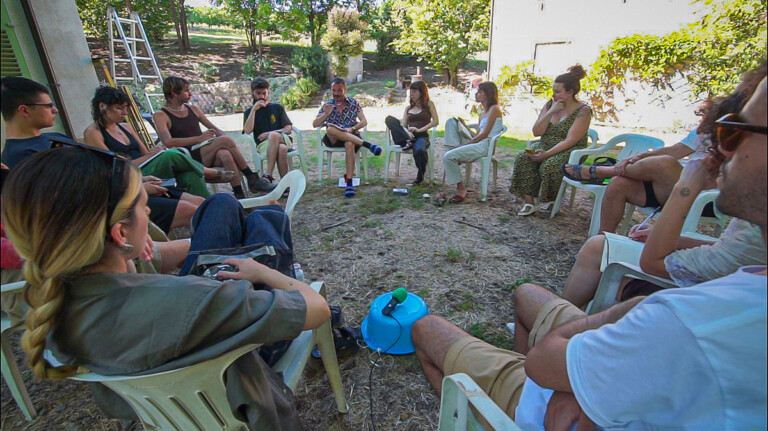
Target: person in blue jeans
{"x": 77, "y": 235}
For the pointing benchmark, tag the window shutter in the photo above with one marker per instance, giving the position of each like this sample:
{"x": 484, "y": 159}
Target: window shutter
{"x": 10, "y": 63}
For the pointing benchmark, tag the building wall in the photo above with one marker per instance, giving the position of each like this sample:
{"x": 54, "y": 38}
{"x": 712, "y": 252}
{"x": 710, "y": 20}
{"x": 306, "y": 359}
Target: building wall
{"x": 62, "y": 33}
{"x": 560, "y": 33}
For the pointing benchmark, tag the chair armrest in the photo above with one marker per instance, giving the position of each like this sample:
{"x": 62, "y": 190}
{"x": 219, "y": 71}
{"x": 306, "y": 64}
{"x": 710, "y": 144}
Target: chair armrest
{"x": 13, "y": 287}
{"x": 295, "y": 131}
{"x": 459, "y": 391}
{"x": 577, "y": 154}
{"x": 608, "y": 288}
{"x": 530, "y": 142}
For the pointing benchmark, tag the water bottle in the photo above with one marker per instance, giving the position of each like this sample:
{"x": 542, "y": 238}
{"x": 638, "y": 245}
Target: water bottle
{"x": 299, "y": 273}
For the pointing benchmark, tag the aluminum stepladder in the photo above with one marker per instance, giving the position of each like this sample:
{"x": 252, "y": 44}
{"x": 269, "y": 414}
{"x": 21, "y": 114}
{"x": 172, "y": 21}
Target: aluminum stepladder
{"x": 130, "y": 41}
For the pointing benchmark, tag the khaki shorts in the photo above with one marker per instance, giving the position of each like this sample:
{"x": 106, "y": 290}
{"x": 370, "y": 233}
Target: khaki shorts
{"x": 501, "y": 373}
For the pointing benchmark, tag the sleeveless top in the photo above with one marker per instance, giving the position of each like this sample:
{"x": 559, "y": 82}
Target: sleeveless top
{"x": 131, "y": 150}
{"x": 419, "y": 120}
{"x": 495, "y": 130}
{"x": 556, "y": 133}
{"x": 187, "y": 127}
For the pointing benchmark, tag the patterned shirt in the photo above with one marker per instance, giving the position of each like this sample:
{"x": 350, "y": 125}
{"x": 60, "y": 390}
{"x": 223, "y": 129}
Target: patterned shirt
{"x": 347, "y": 118}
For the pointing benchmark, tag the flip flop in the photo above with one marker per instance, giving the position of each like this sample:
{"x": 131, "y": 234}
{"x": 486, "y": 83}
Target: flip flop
{"x": 222, "y": 176}
{"x": 457, "y": 199}
{"x": 527, "y": 210}
{"x": 576, "y": 175}
{"x": 547, "y": 207}
{"x": 439, "y": 201}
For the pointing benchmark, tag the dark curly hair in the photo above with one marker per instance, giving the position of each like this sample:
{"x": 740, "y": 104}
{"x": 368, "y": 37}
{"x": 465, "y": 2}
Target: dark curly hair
{"x": 108, "y": 96}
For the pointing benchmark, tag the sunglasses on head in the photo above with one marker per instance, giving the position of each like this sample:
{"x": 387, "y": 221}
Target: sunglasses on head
{"x": 119, "y": 165}
{"x": 730, "y": 131}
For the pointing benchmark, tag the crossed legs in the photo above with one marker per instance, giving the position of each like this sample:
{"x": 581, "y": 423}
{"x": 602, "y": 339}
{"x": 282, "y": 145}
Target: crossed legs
{"x": 351, "y": 144}
{"x": 277, "y": 153}
{"x": 223, "y": 152}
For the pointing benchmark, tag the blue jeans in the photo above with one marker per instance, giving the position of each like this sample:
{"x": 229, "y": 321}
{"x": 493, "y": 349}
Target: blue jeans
{"x": 220, "y": 222}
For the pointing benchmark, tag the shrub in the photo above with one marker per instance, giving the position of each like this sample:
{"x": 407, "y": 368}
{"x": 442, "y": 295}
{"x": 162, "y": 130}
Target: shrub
{"x": 343, "y": 38}
{"x": 310, "y": 63}
{"x": 206, "y": 71}
{"x": 253, "y": 67}
{"x": 300, "y": 94}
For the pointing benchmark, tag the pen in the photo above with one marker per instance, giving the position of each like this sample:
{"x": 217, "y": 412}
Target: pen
{"x": 648, "y": 219}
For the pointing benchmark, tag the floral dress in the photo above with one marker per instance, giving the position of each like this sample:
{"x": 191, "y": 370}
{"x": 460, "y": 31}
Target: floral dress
{"x": 529, "y": 177}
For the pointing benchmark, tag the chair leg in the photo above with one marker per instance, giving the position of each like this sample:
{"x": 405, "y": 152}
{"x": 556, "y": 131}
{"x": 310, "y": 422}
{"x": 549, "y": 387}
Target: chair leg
{"x": 324, "y": 340}
{"x": 485, "y": 167}
{"x": 495, "y": 173}
{"x": 10, "y": 370}
{"x": 558, "y": 199}
{"x": 573, "y": 195}
{"x": 594, "y": 224}
{"x": 330, "y": 165}
{"x": 469, "y": 174}
{"x": 397, "y": 165}
{"x": 387, "y": 156}
{"x": 623, "y": 227}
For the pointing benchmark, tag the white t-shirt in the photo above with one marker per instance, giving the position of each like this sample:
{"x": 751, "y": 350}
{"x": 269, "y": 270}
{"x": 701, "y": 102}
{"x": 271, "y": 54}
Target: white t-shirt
{"x": 683, "y": 359}
{"x": 698, "y": 143}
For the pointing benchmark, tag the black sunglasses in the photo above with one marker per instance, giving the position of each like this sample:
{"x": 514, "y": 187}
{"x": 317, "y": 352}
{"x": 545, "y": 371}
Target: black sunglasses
{"x": 730, "y": 131}
{"x": 117, "y": 176}
{"x": 47, "y": 105}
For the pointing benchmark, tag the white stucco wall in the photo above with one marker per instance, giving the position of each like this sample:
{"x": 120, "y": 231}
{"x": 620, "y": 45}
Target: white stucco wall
{"x": 584, "y": 25}
{"x": 69, "y": 56}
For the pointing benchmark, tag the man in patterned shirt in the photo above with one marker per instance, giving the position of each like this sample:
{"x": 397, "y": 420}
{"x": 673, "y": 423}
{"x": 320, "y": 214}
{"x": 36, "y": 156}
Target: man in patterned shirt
{"x": 340, "y": 115}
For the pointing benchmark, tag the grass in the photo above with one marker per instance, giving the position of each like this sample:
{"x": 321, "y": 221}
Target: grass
{"x": 375, "y": 89}
{"x": 453, "y": 254}
{"x": 483, "y": 331}
{"x": 379, "y": 203}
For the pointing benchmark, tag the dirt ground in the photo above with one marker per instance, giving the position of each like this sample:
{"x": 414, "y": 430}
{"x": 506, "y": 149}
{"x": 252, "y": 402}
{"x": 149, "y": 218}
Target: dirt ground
{"x": 463, "y": 260}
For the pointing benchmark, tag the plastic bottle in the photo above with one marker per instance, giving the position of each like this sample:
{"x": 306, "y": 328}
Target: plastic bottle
{"x": 298, "y": 271}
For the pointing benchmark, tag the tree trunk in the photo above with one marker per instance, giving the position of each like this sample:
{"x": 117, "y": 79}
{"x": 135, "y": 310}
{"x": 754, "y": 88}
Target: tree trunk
{"x": 313, "y": 33}
{"x": 175, "y": 16}
{"x": 183, "y": 25}
{"x": 261, "y": 49}
{"x": 129, "y": 6}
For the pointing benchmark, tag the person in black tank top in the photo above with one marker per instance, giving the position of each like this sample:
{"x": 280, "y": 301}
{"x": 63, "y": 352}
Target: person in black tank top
{"x": 171, "y": 207}
{"x": 412, "y": 132}
{"x": 178, "y": 125}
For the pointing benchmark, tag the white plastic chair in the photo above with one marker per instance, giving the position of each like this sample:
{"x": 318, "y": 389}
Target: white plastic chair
{"x": 10, "y": 368}
{"x": 396, "y": 150}
{"x": 633, "y": 144}
{"x": 608, "y": 288}
{"x": 459, "y": 392}
{"x": 361, "y": 156}
{"x": 485, "y": 165}
{"x": 692, "y": 220}
{"x": 293, "y": 179}
{"x": 260, "y": 157}
{"x": 194, "y": 397}
{"x": 591, "y": 138}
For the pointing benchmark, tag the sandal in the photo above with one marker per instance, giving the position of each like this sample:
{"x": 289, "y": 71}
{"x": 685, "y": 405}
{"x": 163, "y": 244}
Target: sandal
{"x": 457, "y": 199}
{"x": 547, "y": 207}
{"x": 576, "y": 175}
{"x": 268, "y": 177}
{"x": 527, "y": 210}
{"x": 222, "y": 176}
{"x": 440, "y": 200}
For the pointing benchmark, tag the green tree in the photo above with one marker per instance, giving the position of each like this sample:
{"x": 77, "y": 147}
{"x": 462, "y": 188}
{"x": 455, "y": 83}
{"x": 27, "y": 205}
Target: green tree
{"x": 343, "y": 38}
{"x": 443, "y": 32}
{"x": 384, "y": 30}
{"x": 256, "y": 17}
{"x": 154, "y": 16}
{"x": 311, "y": 16}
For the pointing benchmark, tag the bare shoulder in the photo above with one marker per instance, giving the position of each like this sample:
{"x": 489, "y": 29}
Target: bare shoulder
{"x": 584, "y": 111}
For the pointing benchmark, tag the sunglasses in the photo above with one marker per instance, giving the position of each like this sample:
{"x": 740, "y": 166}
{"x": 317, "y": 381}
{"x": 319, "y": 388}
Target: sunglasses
{"x": 731, "y": 129}
{"x": 119, "y": 165}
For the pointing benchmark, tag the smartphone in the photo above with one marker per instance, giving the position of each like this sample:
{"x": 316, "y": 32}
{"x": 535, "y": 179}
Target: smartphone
{"x": 530, "y": 151}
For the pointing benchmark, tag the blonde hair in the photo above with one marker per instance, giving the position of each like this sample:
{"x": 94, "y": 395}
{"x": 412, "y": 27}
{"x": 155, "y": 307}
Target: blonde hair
{"x": 56, "y": 220}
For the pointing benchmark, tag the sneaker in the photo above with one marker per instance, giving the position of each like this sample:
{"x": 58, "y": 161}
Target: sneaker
{"x": 375, "y": 149}
{"x": 256, "y": 184}
{"x": 349, "y": 192}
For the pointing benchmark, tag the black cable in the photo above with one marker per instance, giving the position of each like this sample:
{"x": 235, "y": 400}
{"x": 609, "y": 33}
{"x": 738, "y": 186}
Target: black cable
{"x": 373, "y": 366}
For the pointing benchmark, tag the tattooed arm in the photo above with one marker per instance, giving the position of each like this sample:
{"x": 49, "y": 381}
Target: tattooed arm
{"x": 698, "y": 175}
{"x": 578, "y": 130}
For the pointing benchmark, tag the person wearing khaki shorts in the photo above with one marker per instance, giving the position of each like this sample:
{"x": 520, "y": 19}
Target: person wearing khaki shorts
{"x": 444, "y": 349}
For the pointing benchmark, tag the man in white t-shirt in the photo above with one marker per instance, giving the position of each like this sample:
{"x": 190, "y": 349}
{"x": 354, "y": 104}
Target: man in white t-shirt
{"x": 681, "y": 359}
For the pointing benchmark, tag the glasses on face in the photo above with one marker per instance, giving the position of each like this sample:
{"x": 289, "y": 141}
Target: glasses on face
{"x": 731, "y": 129}
{"x": 117, "y": 176}
{"x": 47, "y": 105}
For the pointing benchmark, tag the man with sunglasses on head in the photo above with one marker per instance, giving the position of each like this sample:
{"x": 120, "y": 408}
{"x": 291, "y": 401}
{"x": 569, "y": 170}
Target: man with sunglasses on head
{"x": 27, "y": 109}
{"x": 682, "y": 359}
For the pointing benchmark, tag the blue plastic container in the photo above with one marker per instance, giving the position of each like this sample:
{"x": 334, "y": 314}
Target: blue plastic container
{"x": 383, "y": 332}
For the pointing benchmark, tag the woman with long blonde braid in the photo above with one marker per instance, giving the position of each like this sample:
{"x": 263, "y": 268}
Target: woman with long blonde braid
{"x": 78, "y": 234}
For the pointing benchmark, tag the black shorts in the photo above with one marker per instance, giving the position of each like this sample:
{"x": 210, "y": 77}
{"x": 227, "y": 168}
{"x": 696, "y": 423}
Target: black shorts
{"x": 652, "y": 201}
{"x": 163, "y": 209}
{"x": 195, "y": 154}
{"x": 339, "y": 144}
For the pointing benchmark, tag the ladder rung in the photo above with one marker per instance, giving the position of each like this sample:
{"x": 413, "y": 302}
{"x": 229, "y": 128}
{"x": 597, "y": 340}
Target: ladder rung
{"x": 122, "y": 60}
{"x": 142, "y": 58}
{"x": 155, "y": 94}
{"x": 132, "y": 21}
{"x": 123, "y": 78}
{"x": 149, "y": 76}
{"x": 134, "y": 39}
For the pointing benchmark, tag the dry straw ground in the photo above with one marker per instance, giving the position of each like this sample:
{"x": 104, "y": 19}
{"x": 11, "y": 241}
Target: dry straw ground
{"x": 462, "y": 259}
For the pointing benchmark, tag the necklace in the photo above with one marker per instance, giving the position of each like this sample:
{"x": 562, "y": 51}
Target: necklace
{"x": 175, "y": 110}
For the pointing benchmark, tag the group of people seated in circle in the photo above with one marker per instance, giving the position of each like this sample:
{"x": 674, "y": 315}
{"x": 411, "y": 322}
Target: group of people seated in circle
{"x": 78, "y": 221}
